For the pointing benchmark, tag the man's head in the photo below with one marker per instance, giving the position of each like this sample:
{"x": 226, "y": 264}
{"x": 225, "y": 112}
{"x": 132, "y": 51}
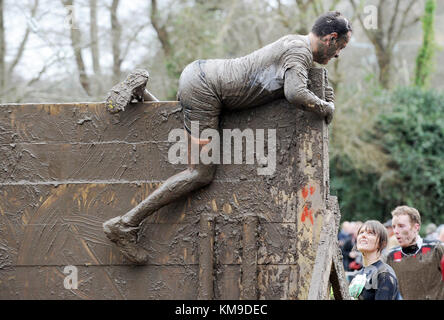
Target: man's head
{"x": 331, "y": 32}
{"x": 406, "y": 223}
{"x": 388, "y": 226}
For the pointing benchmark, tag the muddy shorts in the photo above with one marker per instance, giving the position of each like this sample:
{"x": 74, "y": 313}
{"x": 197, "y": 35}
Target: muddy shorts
{"x": 198, "y": 99}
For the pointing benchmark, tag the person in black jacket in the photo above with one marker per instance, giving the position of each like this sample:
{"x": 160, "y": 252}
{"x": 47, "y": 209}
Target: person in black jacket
{"x": 377, "y": 280}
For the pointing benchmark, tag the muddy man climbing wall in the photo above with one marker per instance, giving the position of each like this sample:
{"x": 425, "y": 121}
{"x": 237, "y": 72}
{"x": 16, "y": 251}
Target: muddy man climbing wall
{"x": 66, "y": 168}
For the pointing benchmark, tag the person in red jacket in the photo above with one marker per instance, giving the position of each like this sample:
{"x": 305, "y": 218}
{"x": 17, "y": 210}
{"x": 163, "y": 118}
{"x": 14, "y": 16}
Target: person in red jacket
{"x": 418, "y": 263}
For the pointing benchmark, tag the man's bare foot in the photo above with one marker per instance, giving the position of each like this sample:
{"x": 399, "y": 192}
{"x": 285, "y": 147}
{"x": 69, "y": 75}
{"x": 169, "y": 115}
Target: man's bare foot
{"x": 121, "y": 95}
{"x": 125, "y": 237}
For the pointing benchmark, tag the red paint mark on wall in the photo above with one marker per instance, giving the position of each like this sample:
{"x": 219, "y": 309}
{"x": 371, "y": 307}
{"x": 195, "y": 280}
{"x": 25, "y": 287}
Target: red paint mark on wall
{"x": 307, "y": 211}
{"x": 304, "y": 192}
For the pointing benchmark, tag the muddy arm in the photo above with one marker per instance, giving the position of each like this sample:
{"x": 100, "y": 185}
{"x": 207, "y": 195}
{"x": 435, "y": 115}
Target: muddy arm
{"x": 147, "y": 96}
{"x": 297, "y": 93}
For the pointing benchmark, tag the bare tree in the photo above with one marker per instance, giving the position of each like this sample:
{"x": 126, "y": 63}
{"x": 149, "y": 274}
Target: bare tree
{"x": 298, "y": 17}
{"x": 116, "y": 32}
{"x": 393, "y": 19}
{"x": 76, "y": 46}
{"x": 2, "y": 50}
{"x": 22, "y": 45}
{"x": 160, "y": 28}
{"x": 7, "y": 71}
{"x": 93, "y": 31}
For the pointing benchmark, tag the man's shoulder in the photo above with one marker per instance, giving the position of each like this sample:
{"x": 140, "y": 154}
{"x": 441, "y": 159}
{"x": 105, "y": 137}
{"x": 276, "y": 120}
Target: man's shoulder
{"x": 394, "y": 250}
{"x": 395, "y": 254}
{"x": 433, "y": 245}
{"x": 295, "y": 41}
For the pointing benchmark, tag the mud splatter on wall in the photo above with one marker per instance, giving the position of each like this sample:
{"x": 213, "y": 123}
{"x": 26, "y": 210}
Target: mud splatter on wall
{"x": 66, "y": 168}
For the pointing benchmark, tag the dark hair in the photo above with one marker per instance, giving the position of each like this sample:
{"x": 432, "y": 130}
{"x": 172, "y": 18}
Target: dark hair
{"x": 379, "y": 230}
{"x": 331, "y": 22}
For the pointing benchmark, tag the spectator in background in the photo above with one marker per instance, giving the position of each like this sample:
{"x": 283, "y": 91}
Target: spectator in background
{"x": 431, "y": 232}
{"x": 349, "y": 252}
{"x": 418, "y": 263}
{"x": 345, "y": 242}
{"x": 354, "y": 255}
{"x": 377, "y": 280}
{"x": 441, "y": 233}
{"x": 391, "y": 242}
{"x": 344, "y": 233}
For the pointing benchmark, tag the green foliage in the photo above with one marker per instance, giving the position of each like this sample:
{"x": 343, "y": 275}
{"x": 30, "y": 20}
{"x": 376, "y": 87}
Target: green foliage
{"x": 410, "y": 132}
{"x": 357, "y": 160}
{"x": 185, "y": 22}
{"x": 424, "y": 60}
{"x": 357, "y": 191}
{"x": 413, "y": 135}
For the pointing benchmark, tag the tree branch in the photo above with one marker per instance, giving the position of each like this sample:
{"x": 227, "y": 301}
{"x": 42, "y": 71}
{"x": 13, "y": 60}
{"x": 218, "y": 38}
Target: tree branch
{"x": 116, "y": 31}
{"x": 161, "y": 31}
{"x": 93, "y": 31}
{"x": 75, "y": 43}
{"x": 390, "y": 31}
{"x": 22, "y": 45}
{"x": 2, "y": 49}
{"x": 405, "y": 14}
{"x": 131, "y": 40}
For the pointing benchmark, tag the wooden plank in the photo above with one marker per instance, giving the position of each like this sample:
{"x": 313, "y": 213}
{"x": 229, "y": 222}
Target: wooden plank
{"x": 100, "y": 283}
{"x": 249, "y": 258}
{"x": 227, "y": 285}
{"x": 206, "y": 257}
{"x": 64, "y": 225}
{"x": 87, "y": 122}
{"x": 277, "y": 243}
{"x": 311, "y": 191}
{"x": 338, "y": 279}
{"x": 324, "y": 257}
{"x": 278, "y": 282}
{"x": 33, "y": 163}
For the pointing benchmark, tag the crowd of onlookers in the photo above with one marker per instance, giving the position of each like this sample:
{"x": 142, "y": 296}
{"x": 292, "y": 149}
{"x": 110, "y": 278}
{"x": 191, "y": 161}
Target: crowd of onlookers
{"x": 352, "y": 258}
{"x": 393, "y": 260}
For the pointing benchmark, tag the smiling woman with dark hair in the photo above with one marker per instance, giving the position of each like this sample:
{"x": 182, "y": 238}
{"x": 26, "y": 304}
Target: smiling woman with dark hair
{"x": 377, "y": 280}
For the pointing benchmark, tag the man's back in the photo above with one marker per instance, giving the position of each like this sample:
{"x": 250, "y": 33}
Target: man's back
{"x": 257, "y": 78}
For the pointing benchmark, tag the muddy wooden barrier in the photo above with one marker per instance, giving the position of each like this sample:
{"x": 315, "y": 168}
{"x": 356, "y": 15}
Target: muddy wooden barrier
{"x": 66, "y": 168}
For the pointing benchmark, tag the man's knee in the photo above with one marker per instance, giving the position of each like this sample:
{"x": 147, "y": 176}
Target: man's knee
{"x": 204, "y": 174}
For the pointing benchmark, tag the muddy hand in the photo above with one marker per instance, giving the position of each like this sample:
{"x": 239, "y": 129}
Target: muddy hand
{"x": 329, "y": 94}
{"x": 329, "y": 112}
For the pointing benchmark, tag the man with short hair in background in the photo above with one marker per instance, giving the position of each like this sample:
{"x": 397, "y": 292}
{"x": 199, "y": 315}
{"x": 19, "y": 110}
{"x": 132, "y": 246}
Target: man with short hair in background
{"x": 418, "y": 263}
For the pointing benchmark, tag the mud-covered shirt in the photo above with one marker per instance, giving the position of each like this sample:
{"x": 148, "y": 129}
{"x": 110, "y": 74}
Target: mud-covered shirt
{"x": 419, "y": 270}
{"x": 259, "y": 77}
{"x": 381, "y": 282}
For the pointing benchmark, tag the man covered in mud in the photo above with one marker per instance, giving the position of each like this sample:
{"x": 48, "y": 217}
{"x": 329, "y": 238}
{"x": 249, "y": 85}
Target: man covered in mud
{"x": 278, "y": 70}
{"x": 418, "y": 263}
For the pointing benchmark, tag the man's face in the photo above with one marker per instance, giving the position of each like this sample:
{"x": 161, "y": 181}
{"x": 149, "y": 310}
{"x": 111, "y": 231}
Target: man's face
{"x": 330, "y": 46}
{"x": 405, "y": 231}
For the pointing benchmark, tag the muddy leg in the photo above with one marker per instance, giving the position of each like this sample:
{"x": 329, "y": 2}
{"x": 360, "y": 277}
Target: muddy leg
{"x": 123, "y": 230}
